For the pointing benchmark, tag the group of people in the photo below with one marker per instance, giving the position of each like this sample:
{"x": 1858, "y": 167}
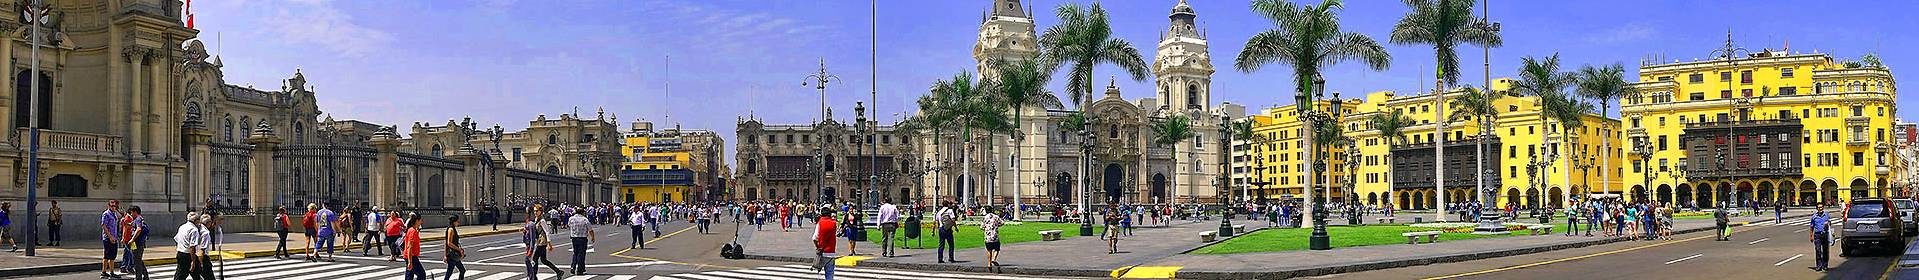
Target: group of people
{"x": 1644, "y": 220}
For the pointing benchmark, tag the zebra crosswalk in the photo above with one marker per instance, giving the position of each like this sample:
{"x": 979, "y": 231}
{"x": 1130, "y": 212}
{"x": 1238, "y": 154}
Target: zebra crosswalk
{"x": 278, "y": 269}
{"x": 1791, "y": 222}
{"x": 797, "y": 271}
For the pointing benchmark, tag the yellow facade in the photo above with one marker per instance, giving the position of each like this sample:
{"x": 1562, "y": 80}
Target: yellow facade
{"x": 641, "y": 155}
{"x": 1517, "y": 128}
{"x": 1846, "y": 115}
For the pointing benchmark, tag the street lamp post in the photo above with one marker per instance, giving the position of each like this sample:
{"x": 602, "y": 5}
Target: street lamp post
{"x": 1085, "y": 191}
{"x": 1318, "y": 240}
{"x": 1225, "y": 209}
{"x": 37, "y": 15}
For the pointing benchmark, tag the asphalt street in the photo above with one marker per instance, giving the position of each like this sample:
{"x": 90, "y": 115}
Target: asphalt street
{"x": 679, "y": 251}
{"x": 1758, "y": 251}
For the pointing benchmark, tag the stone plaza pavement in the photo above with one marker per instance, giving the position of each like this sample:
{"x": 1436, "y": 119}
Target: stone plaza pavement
{"x": 84, "y": 255}
{"x": 1160, "y": 252}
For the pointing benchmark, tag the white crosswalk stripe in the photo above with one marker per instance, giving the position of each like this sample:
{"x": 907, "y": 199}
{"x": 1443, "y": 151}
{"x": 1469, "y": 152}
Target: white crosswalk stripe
{"x": 294, "y": 269}
{"x": 800, "y": 272}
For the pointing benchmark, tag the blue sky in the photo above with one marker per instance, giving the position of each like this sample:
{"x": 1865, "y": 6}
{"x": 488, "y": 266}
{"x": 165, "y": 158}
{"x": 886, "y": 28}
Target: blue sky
{"x": 504, "y": 61}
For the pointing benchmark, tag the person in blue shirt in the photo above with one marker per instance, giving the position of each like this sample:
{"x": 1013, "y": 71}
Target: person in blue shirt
{"x": 1821, "y": 242}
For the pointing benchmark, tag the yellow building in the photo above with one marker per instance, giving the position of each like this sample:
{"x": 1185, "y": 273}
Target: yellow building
{"x": 1408, "y": 183}
{"x": 1801, "y": 128}
{"x": 656, "y": 170}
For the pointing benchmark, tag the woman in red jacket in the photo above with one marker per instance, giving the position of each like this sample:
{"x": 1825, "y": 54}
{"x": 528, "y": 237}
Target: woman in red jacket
{"x": 309, "y": 226}
{"x": 412, "y": 251}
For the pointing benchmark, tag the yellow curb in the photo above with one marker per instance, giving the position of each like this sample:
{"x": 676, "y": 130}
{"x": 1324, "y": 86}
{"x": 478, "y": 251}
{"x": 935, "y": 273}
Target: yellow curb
{"x": 1151, "y": 272}
{"x": 1120, "y": 271}
{"x": 849, "y": 261}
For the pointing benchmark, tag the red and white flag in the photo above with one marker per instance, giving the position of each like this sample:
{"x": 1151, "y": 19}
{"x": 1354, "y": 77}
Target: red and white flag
{"x": 189, "y": 12}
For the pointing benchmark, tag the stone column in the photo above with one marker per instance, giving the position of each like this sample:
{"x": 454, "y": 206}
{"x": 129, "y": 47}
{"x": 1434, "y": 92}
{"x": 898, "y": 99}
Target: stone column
{"x": 260, "y": 169}
{"x": 471, "y": 172}
{"x": 588, "y": 183}
{"x": 385, "y": 167}
{"x": 199, "y": 167}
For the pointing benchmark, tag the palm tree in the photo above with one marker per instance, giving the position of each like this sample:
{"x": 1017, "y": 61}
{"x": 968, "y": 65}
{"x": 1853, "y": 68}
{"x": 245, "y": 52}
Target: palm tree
{"x": 1022, "y": 83}
{"x": 966, "y": 104}
{"x": 1242, "y": 130}
{"x": 1083, "y": 39}
{"x": 1541, "y": 78}
{"x": 1307, "y": 38}
{"x": 1444, "y": 25}
{"x": 1392, "y": 127}
{"x": 1604, "y": 84}
{"x": 1481, "y": 105}
{"x": 1170, "y": 131}
{"x": 1328, "y": 137}
{"x": 1570, "y": 112}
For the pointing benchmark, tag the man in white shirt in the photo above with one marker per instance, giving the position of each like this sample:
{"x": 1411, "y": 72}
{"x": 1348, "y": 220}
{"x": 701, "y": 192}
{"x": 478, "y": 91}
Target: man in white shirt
{"x": 373, "y": 225}
{"x": 581, "y": 230}
{"x": 186, "y": 242}
{"x": 889, "y": 221}
{"x": 947, "y": 220}
{"x": 638, "y": 223}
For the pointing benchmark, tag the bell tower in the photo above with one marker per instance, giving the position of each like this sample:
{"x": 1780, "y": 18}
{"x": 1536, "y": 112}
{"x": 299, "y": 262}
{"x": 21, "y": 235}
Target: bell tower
{"x": 1005, "y": 32}
{"x": 1183, "y": 68}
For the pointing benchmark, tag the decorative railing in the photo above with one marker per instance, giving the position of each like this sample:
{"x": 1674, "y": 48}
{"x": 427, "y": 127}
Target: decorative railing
{"x": 77, "y": 141}
{"x": 1744, "y": 123}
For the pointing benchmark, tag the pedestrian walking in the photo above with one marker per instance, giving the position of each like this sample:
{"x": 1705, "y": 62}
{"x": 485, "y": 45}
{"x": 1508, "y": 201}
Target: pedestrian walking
{"x": 704, "y": 217}
{"x": 186, "y": 244}
{"x": 1112, "y": 231}
{"x": 948, "y": 219}
{"x": 580, "y": 229}
{"x": 889, "y": 222}
{"x": 1719, "y": 216}
{"x": 327, "y": 220}
{"x": 414, "y": 271}
{"x": 109, "y": 238}
{"x": 454, "y": 253}
{"x": 989, "y": 230}
{"x": 534, "y": 237}
{"x": 372, "y": 240}
{"x": 1572, "y": 220}
{"x": 395, "y": 228}
{"x": 824, "y": 242}
{"x": 639, "y": 230}
{"x": 281, "y": 225}
{"x": 136, "y": 240}
{"x": 54, "y": 219}
{"x": 1821, "y": 243}
{"x": 6, "y": 226}
{"x": 210, "y": 240}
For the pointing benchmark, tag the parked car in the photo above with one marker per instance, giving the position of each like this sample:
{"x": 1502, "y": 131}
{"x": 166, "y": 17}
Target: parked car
{"x": 1874, "y": 221}
{"x": 1907, "y": 209}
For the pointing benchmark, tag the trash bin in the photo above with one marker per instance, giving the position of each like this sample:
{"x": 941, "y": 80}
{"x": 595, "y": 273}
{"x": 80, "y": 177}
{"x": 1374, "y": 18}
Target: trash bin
{"x": 912, "y": 227}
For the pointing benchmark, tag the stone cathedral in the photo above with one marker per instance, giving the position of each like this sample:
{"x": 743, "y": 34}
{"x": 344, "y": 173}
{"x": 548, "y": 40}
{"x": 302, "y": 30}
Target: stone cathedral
{"x": 1126, "y": 164}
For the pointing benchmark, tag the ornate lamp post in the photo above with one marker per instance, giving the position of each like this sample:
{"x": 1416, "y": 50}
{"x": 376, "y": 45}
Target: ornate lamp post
{"x": 1319, "y": 240}
{"x": 1224, "y": 186}
{"x": 1352, "y": 178}
{"x": 1085, "y": 191}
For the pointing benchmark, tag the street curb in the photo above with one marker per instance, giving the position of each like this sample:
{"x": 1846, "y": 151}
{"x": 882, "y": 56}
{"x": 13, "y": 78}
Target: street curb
{"x": 91, "y": 264}
{"x": 1235, "y": 275}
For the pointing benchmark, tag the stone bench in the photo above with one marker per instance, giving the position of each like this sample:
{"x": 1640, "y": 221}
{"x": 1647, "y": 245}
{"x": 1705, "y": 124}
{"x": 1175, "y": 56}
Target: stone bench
{"x": 1540, "y": 229}
{"x": 1208, "y": 236}
{"x": 1413, "y": 237}
{"x": 1385, "y": 220}
{"x": 1239, "y": 229}
{"x": 1049, "y": 235}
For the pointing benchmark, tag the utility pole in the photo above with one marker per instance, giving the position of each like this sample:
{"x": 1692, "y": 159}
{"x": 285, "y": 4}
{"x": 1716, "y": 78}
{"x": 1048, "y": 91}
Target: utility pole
{"x": 36, "y": 17}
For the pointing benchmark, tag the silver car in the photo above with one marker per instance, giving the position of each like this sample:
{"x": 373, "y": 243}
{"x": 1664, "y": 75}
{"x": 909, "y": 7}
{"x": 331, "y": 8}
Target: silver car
{"x": 1874, "y": 221}
{"x": 1908, "y": 207}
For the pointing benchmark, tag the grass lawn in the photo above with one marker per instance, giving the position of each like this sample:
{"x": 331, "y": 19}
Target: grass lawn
{"x": 969, "y": 236}
{"x": 1288, "y": 239}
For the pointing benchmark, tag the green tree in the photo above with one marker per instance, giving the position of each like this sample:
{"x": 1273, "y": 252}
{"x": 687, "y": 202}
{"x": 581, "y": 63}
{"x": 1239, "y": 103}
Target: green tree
{"x": 961, "y": 102}
{"x": 1604, "y": 84}
{"x": 1082, "y": 40}
{"x": 1479, "y": 105}
{"x": 1169, "y": 131}
{"x": 1392, "y": 128}
{"x": 1443, "y": 24}
{"x": 1020, "y": 84}
{"x": 1541, "y": 78}
{"x": 1308, "y": 39}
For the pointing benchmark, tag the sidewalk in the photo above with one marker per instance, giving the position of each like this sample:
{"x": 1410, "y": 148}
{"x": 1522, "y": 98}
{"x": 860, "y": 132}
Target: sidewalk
{"x": 1160, "y": 251}
{"x": 85, "y": 256}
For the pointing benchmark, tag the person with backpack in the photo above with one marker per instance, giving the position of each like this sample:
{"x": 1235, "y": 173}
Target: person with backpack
{"x": 280, "y": 226}
{"x": 310, "y": 228}
{"x": 327, "y": 221}
{"x": 136, "y": 240}
{"x": 454, "y": 253}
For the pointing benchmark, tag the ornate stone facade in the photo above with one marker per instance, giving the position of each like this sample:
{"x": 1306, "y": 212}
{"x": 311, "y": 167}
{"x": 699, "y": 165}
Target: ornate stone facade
{"x": 779, "y": 161}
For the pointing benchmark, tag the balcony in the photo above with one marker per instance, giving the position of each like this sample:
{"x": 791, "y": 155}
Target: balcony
{"x": 1742, "y": 124}
{"x": 1856, "y": 141}
{"x": 1741, "y": 173}
{"x": 76, "y": 142}
{"x": 1857, "y": 120}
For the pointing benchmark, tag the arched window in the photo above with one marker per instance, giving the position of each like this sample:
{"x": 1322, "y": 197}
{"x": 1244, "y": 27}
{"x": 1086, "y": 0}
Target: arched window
{"x": 1192, "y": 97}
{"x": 226, "y": 127}
{"x": 550, "y": 169}
{"x": 752, "y": 166}
{"x": 299, "y": 133}
{"x": 436, "y": 151}
{"x": 552, "y": 139}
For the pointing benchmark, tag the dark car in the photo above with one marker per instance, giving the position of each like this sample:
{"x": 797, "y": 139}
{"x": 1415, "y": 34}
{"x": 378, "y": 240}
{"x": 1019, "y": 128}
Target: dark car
{"x": 1872, "y": 221}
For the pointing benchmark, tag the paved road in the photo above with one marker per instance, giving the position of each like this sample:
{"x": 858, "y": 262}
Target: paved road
{"x": 1758, "y": 251}
{"x": 679, "y": 251}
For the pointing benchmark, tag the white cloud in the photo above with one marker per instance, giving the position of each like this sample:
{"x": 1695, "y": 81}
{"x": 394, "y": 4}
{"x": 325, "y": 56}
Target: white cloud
{"x": 320, "y": 23}
{"x": 722, "y": 30}
{"x": 1624, "y": 33}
